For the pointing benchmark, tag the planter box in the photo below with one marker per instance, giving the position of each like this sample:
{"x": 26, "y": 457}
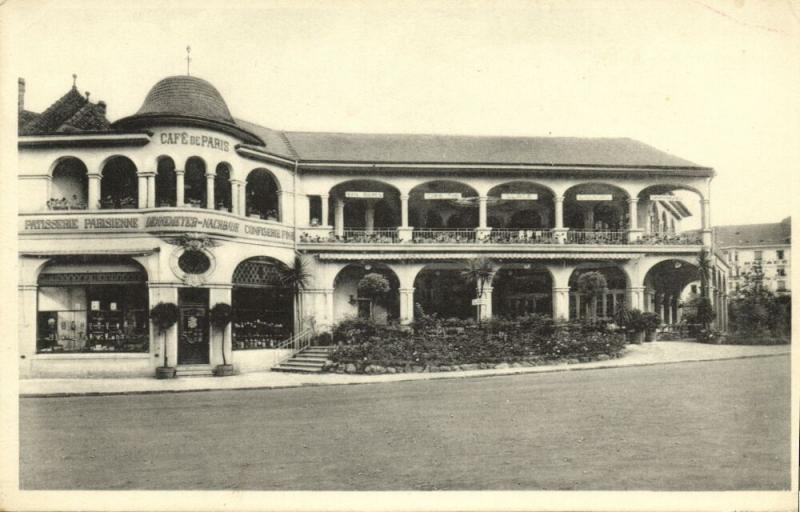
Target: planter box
{"x": 165, "y": 372}
{"x": 223, "y": 370}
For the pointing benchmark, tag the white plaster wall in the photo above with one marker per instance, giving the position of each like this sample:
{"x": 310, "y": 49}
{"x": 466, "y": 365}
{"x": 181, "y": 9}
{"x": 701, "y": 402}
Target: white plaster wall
{"x": 247, "y": 361}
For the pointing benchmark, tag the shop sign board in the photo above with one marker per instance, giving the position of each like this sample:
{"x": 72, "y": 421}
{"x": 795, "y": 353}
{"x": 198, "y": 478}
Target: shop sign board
{"x": 155, "y": 222}
{"x": 479, "y": 302}
{"x": 442, "y": 195}
{"x": 594, "y": 197}
{"x": 663, "y": 197}
{"x": 363, "y": 195}
{"x": 519, "y": 197}
{"x": 185, "y": 138}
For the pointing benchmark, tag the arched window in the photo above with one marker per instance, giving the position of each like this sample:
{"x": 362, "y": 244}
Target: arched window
{"x": 194, "y": 183}
{"x": 262, "y": 305}
{"x": 70, "y": 186}
{"x": 118, "y": 186}
{"x": 166, "y": 182}
{"x": 261, "y": 195}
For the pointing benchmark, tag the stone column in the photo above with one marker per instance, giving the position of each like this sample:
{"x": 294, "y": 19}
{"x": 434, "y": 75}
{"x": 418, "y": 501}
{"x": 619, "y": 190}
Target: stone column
{"x": 405, "y": 233}
{"x": 483, "y": 230}
{"x": 243, "y": 198}
{"x": 324, "y": 201}
{"x": 636, "y": 298}
{"x": 235, "y": 206}
{"x": 561, "y": 303}
{"x": 406, "y": 305}
{"x": 634, "y": 233}
{"x": 179, "y": 188}
{"x": 151, "y": 190}
{"x": 141, "y": 179}
{"x": 94, "y": 191}
{"x": 210, "y": 190}
{"x": 486, "y": 308}
{"x": 26, "y": 327}
{"x": 328, "y": 293}
{"x": 339, "y": 218}
{"x": 706, "y": 222}
{"x": 559, "y": 232}
{"x": 369, "y": 216}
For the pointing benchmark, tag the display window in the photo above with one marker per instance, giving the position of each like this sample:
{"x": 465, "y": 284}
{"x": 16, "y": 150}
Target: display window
{"x": 262, "y": 317}
{"x": 79, "y": 310}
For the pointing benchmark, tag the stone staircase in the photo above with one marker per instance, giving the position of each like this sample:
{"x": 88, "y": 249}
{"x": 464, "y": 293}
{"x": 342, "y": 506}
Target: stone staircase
{"x": 309, "y": 360}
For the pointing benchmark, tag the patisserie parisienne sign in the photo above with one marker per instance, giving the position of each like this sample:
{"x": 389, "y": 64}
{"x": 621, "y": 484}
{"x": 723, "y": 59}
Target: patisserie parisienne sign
{"x": 155, "y": 222}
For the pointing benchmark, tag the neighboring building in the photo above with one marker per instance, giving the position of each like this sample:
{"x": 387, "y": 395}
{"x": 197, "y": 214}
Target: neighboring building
{"x": 181, "y": 202}
{"x": 768, "y": 244}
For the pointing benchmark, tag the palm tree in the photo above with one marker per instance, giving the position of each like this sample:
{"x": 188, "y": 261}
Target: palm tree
{"x": 704, "y": 269}
{"x": 297, "y": 278}
{"x": 480, "y": 271}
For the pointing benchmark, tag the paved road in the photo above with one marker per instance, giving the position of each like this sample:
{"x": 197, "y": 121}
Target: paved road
{"x": 692, "y": 426}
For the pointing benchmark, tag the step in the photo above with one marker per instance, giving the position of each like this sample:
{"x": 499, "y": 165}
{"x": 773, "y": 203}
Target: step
{"x": 305, "y": 364}
{"x": 287, "y": 368}
{"x": 194, "y": 371}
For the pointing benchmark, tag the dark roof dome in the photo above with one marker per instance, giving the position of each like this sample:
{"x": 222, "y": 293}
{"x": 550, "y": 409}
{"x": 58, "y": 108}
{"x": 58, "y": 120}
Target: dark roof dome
{"x": 186, "y": 96}
{"x": 187, "y": 100}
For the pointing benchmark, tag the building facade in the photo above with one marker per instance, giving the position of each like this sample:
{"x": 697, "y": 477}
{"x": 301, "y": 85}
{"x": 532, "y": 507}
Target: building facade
{"x": 183, "y": 203}
{"x": 768, "y": 245}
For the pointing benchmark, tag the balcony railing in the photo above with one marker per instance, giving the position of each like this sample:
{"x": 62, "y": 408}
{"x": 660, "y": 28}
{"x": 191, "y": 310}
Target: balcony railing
{"x": 444, "y": 236}
{"x": 350, "y": 236}
{"x": 600, "y": 237}
{"x": 521, "y": 236}
{"x": 671, "y": 239}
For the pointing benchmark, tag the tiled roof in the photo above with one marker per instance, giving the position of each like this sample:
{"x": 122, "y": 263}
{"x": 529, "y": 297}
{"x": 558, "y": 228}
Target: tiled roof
{"x": 25, "y": 117}
{"x": 71, "y": 113}
{"x": 90, "y": 117}
{"x": 186, "y": 96}
{"x": 407, "y": 148}
{"x": 776, "y": 233}
{"x": 51, "y": 119}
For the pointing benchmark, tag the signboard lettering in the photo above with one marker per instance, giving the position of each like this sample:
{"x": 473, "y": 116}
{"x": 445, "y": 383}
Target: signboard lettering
{"x": 442, "y": 195}
{"x": 594, "y": 197}
{"x": 519, "y": 197}
{"x": 165, "y": 222}
{"x": 187, "y": 139}
{"x": 364, "y": 195}
{"x": 663, "y": 197}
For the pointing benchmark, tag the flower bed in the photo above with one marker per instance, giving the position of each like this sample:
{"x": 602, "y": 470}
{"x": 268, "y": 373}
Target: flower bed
{"x": 448, "y": 345}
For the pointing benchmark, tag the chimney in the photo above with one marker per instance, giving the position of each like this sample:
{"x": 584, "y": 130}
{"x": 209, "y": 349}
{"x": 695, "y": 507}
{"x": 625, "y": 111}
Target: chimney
{"x": 21, "y": 95}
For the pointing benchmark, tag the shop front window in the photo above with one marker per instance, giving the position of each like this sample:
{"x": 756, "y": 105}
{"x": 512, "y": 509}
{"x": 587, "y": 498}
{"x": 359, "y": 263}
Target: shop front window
{"x": 92, "y": 318}
{"x": 262, "y": 305}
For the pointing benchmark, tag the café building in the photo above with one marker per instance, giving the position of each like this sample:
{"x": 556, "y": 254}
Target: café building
{"x": 183, "y": 203}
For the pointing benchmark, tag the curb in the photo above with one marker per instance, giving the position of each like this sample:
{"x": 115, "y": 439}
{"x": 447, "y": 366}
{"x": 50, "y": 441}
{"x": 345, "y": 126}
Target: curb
{"x": 423, "y": 377}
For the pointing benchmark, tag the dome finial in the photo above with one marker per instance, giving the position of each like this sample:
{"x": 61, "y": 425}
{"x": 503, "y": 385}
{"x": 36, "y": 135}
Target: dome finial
{"x": 188, "y": 59}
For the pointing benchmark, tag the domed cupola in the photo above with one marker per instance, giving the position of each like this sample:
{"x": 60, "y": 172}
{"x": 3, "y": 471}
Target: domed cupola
{"x": 186, "y": 100}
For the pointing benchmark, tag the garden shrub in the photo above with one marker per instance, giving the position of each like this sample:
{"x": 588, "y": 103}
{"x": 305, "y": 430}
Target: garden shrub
{"x": 447, "y": 342}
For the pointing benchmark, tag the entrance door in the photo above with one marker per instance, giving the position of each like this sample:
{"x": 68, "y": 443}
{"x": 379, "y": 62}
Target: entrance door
{"x": 193, "y": 347}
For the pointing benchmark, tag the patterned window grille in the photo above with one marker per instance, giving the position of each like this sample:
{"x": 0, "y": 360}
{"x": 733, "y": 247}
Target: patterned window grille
{"x": 257, "y": 272}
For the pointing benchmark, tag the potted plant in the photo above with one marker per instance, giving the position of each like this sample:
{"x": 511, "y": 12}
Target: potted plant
{"x": 637, "y": 326}
{"x": 220, "y": 316}
{"x": 374, "y": 287}
{"x": 164, "y": 315}
{"x": 651, "y": 322}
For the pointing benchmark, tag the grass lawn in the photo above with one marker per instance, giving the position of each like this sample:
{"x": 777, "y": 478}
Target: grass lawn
{"x": 695, "y": 426}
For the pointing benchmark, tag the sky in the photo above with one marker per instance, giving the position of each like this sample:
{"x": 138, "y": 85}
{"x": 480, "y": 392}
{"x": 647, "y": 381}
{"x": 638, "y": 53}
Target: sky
{"x": 714, "y": 82}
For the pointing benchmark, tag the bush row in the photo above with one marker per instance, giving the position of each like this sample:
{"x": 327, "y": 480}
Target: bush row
{"x": 433, "y": 342}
